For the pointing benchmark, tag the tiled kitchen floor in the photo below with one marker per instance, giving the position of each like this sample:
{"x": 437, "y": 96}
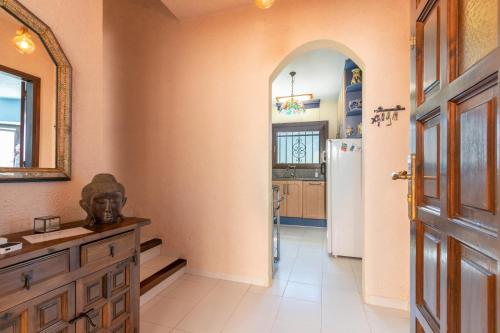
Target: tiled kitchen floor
{"x": 312, "y": 292}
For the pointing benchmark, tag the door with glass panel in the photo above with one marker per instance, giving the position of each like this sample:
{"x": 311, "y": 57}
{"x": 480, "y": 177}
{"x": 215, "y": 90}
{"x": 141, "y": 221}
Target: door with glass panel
{"x": 19, "y": 119}
{"x": 454, "y": 185}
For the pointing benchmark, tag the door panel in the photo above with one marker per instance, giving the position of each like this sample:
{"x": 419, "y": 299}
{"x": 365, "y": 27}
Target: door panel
{"x": 477, "y": 31}
{"x": 473, "y": 276}
{"x": 429, "y": 276}
{"x": 48, "y": 313}
{"x": 313, "y": 200}
{"x": 429, "y": 141}
{"x": 455, "y": 139}
{"x": 105, "y": 297}
{"x": 473, "y": 161}
{"x": 428, "y": 56}
{"x": 293, "y": 199}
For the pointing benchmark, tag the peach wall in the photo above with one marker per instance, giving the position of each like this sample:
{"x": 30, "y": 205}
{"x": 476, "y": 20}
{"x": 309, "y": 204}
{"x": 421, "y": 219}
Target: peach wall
{"x": 196, "y": 94}
{"x": 78, "y": 27}
{"x": 40, "y": 65}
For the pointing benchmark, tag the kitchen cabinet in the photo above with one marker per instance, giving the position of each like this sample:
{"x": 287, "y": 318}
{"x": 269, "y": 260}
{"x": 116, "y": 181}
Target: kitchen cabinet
{"x": 291, "y": 198}
{"x": 282, "y": 187}
{"x": 303, "y": 199}
{"x": 313, "y": 200}
{"x": 293, "y": 192}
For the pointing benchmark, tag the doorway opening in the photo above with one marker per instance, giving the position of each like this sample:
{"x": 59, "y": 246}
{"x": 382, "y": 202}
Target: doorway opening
{"x": 19, "y": 119}
{"x": 316, "y": 121}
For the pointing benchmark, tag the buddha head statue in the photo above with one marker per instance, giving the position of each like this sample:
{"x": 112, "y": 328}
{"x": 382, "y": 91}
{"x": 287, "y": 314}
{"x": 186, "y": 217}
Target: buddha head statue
{"x": 103, "y": 199}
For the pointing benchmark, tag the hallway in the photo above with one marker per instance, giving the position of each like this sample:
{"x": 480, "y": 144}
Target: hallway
{"x": 312, "y": 292}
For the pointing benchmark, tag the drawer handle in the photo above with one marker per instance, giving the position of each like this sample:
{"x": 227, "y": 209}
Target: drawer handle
{"x": 27, "y": 277}
{"x": 315, "y": 183}
{"x": 84, "y": 315}
{"x": 112, "y": 250}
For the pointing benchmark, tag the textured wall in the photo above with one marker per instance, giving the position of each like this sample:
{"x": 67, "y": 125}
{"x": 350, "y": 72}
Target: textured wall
{"x": 78, "y": 27}
{"x": 196, "y": 94}
{"x": 177, "y": 126}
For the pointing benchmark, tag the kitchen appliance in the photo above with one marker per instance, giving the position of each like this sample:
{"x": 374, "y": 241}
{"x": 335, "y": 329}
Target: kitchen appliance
{"x": 276, "y": 227}
{"x": 344, "y": 200}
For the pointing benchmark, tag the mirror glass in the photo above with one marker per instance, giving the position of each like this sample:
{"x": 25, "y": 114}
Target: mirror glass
{"x": 28, "y": 97}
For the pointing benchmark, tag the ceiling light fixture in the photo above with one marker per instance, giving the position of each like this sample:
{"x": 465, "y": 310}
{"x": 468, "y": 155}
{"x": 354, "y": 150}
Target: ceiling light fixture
{"x": 301, "y": 97}
{"x": 264, "y": 4}
{"x": 23, "y": 41}
{"x": 292, "y": 105}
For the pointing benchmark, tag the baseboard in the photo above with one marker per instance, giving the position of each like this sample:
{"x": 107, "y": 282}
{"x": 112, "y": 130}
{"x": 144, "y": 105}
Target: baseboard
{"x": 235, "y": 278}
{"x": 321, "y": 223}
{"x": 385, "y": 302}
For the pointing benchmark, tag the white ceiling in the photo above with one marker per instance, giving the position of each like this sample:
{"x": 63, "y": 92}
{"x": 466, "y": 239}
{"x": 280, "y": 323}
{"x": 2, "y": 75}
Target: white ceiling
{"x": 192, "y": 8}
{"x": 318, "y": 72}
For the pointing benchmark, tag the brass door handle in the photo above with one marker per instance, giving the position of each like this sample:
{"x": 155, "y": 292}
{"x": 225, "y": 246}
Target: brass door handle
{"x": 412, "y": 195}
{"x": 401, "y": 175}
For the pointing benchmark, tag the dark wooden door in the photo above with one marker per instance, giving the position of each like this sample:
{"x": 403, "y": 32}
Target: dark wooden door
{"x": 455, "y": 142}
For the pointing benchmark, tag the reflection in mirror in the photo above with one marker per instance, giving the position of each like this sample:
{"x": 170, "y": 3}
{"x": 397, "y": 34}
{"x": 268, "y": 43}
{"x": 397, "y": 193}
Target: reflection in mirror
{"x": 28, "y": 93}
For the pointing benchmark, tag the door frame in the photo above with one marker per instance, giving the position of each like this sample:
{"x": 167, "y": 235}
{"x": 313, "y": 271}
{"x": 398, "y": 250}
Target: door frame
{"x": 304, "y": 48}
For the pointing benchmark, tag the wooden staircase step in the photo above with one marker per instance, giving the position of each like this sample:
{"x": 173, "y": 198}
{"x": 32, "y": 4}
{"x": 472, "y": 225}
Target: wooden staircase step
{"x": 148, "y": 245}
{"x": 161, "y": 275}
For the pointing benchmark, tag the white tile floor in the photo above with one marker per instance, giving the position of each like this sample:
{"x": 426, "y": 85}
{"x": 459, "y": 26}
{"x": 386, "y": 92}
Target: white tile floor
{"x": 312, "y": 292}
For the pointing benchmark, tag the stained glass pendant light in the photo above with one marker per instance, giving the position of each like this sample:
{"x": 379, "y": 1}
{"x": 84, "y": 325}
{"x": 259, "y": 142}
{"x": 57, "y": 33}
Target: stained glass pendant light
{"x": 264, "y": 4}
{"x": 292, "y": 106}
{"x": 23, "y": 42}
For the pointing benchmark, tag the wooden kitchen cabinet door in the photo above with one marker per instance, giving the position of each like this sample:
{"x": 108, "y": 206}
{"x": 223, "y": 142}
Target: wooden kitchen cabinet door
{"x": 313, "y": 200}
{"x": 293, "y": 190}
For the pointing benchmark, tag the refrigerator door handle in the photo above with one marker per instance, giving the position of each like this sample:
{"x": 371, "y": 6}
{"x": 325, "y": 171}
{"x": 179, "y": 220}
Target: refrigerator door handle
{"x": 323, "y": 168}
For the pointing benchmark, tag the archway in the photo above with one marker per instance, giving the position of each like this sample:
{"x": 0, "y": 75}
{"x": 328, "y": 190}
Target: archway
{"x": 288, "y": 59}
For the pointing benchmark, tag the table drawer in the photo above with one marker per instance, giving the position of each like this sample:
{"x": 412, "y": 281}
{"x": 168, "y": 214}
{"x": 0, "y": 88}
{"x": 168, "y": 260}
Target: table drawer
{"x": 108, "y": 250}
{"x": 33, "y": 272}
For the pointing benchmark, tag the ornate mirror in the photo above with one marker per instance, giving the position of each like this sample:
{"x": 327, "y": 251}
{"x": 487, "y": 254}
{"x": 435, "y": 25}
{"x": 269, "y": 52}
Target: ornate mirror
{"x": 35, "y": 99}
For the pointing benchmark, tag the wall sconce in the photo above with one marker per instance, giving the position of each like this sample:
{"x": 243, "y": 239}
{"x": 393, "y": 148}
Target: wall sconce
{"x": 264, "y": 4}
{"x": 23, "y": 41}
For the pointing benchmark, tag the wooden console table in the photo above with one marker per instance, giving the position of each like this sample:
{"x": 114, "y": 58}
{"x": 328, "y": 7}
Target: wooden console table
{"x": 86, "y": 283}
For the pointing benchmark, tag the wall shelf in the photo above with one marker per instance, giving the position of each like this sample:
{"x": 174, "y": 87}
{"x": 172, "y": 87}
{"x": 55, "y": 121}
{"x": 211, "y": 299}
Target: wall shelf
{"x": 352, "y": 92}
{"x": 354, "y": 87}
{"x": 355, "y": 112}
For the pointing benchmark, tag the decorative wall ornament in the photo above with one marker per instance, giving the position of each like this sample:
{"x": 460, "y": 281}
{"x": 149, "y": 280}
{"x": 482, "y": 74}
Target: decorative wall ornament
{"x": 103, "y": 200}
{"x": 386, "y": 116}
{"x": 355, "y": 104}
{"x": 356, "y": 76}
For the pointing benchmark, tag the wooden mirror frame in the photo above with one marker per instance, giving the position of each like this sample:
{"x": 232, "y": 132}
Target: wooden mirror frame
{"x": 62, "y": 170}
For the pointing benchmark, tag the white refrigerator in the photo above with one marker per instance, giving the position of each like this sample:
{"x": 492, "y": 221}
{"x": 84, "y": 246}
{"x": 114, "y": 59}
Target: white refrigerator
{"x": 344, "y": 200}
